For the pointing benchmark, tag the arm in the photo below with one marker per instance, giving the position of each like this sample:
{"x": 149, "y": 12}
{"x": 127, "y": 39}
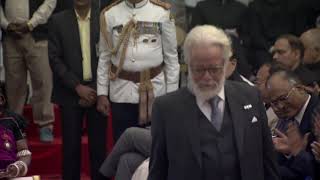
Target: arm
{"x": 43, "y": 13}
{"x": 269, "y": 156}
{"x": 170, "y": 55}
{"x": 158, "y": 166}
{"x": 299, "y": 166}
{"x": 104, "y": 57}
{"x": 56, "y": 59}
{"x": 3, "y": 20}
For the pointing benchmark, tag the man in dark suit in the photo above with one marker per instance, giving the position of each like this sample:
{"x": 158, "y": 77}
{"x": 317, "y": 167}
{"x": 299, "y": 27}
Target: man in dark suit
{"x": 73, "y": 35}
{"x": 288, "y": 51}
{"x": 213, "y": 130}
{"x": 293, "y": 105}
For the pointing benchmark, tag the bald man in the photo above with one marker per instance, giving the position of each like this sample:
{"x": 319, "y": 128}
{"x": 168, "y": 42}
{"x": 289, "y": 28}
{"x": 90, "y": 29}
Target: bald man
{"x": 311, "y": 58}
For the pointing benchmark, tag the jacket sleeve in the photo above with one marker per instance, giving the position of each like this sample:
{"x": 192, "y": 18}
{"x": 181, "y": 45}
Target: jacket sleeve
{"x": 56, "y": 59}
{"x": 104, "y": 57}
{"x": 43, "y": 13}
{"x": 298, "y": 167}
{"x": 158, "y": 166}
{"x": 269, "y": 155}
{"x": 170, "y": 55}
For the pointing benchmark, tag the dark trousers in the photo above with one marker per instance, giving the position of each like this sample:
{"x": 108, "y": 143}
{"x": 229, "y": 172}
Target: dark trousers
{"x": 72, "y": 122}
{"x": 124, "y": 115}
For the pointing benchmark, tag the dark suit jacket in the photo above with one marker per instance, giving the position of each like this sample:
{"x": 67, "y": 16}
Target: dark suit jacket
{"x": 65, "y": 55}
{"x": 302, "y": 165}
{"x": 176, "y": 153}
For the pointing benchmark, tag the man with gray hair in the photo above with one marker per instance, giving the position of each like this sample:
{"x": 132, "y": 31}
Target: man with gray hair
{"x": 311, "y": 43}
{"x": 213, "y": 129}
{"x": 294, "y": 108}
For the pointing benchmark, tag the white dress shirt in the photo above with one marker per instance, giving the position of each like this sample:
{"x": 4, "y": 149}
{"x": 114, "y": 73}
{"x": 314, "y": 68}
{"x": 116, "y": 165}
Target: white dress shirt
{"x": 147, "y": 51}
{"x": 205, "y": 106}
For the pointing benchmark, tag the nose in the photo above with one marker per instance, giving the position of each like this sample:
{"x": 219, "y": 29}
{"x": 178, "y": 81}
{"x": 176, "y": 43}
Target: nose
{"x": 275, "y": 56}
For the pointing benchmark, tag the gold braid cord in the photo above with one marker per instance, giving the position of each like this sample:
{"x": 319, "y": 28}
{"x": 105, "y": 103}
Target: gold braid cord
{"x": 146, "y": 97}
{"x": 128, "y": 29}
{"x": 165, "y": 5}
{"x": 103, "y": 22}
{"x": 123, "y": 42}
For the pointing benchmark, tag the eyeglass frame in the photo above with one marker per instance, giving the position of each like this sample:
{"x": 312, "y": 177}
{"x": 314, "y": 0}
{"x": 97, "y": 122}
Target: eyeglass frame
{"x": 282, "y": 98}
{"x": 213, "y": 70}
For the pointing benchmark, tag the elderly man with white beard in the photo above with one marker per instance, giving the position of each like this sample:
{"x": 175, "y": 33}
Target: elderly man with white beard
{"x": 214, "y": 129}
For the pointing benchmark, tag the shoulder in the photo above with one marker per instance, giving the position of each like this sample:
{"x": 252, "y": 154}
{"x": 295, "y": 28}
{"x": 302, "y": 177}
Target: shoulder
{"x": 242, "y": 90}
{"x": 61, "y": 16}
{"x": 204, "y": 4}
{"x": 164, "y": 5}
{"x": 113, "y": 7}
{"x": 170, "y": 99}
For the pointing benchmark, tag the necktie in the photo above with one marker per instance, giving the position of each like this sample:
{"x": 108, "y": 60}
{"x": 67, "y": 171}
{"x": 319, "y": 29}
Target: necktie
{"x": 216, "y": 114}
{"x": 282, "y": 124}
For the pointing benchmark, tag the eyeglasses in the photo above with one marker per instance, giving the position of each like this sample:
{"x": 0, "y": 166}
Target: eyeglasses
{"x": 201, "y": 71}
{"x": 282, "y": 99}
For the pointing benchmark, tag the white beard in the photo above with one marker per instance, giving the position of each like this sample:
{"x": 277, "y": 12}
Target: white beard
{"x": 207, "y": 93}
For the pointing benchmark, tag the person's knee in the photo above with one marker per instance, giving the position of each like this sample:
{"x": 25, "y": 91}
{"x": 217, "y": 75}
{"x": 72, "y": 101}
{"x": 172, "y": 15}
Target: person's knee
{"x": 131, "y": 130}
{"x": 131, "y": 161}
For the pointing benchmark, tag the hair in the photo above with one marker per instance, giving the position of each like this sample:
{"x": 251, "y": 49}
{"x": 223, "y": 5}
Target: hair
{"x": 314, "y": 38}
{"x": 209, "y": 36}
{"x": 286, "y": 75}
{"x": 294, "y": 43}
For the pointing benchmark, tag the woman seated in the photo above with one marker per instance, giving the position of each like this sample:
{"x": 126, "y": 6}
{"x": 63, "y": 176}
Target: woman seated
{"x": 14, "y": 153}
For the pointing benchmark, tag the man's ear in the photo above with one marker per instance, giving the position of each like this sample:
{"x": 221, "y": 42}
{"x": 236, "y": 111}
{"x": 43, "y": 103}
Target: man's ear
{"x": 297, "y": 54}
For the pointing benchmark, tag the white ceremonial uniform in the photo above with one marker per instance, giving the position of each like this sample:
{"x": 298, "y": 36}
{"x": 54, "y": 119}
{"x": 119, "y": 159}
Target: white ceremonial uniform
{"x": 155, "y": 45}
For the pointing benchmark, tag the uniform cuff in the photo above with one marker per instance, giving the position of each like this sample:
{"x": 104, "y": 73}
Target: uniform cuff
{"x": 101, "y": 90}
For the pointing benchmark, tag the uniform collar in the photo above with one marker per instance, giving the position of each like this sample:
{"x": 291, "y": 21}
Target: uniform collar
{"x": 136, "y": 5}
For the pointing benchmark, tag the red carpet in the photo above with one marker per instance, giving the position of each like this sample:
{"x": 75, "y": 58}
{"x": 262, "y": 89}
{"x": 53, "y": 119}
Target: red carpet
{"x": 47, "y": 158}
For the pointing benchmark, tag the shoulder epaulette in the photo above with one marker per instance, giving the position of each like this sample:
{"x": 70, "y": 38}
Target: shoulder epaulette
{"x": 103, "y": 24}
{"x": 165, "y": 5}
{"x": 110, "y": 6}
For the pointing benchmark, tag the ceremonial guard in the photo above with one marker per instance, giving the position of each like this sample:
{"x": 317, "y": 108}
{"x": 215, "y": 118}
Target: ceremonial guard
{"x": 138, "y": 60}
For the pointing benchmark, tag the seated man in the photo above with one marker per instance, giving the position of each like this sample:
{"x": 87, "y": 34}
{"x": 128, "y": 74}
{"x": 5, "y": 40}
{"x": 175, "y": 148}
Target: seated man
{"x": 292, "y": 104}
{"x": 131, "y": 149}
{"x": 14, "y": 154}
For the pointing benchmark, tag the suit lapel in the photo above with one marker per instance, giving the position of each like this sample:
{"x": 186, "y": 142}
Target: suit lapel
{"x": 191, "y": 124}
{"x": 74, "y": 31}
{"x": 238, "y": 116}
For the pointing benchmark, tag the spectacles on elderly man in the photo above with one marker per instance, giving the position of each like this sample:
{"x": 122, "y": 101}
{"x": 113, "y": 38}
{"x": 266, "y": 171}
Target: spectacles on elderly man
{"x": 283, "y": 99}
{"x": 201, "y": 70}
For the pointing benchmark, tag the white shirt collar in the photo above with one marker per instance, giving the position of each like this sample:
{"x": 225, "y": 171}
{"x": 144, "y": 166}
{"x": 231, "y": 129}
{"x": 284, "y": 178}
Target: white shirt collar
{"x": 220, "y": 94}
{"x": 299, "y": 116}
{"x": 205, "y": 107}
{"x": 86, "y": 18}
{"x": 136, "y": 5}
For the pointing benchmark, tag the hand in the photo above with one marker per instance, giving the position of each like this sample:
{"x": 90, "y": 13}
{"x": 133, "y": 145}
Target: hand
{"x": 315, "y": 89}
{"x": 297, "y": 143}
{"x": 86, "y": 93}
{"x": 3, "y": 174}
{"x": 12, "y": 29}
{"x": 316, "y": 150}
{"x": 103, "y": 105}
{"x": 12, "y": 170}
{"x": 85, "y": 104}
{"x": 281, "y": 142}
{"x": 23, "y": 28}
{"x": 316, "y": 125}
